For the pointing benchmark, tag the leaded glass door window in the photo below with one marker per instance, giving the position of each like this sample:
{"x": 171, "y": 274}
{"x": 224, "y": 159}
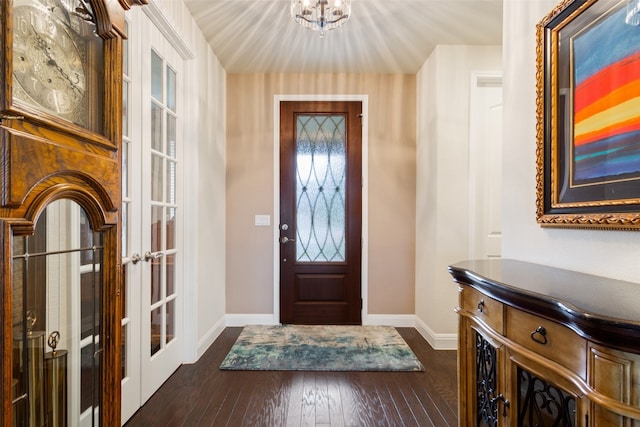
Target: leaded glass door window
{"x": 320, "y": 188}
{"x": 320, "y": 212}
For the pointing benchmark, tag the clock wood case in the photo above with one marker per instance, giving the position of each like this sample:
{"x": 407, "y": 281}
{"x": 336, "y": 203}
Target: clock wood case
{"x": 60, "y": 138}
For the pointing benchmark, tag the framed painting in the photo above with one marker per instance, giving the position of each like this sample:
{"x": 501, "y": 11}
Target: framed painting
{"x": 588, "y": 116}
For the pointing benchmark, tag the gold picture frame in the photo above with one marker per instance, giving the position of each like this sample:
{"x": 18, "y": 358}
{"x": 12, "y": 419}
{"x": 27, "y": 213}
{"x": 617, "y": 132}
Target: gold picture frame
{"x": 588, "y": 117}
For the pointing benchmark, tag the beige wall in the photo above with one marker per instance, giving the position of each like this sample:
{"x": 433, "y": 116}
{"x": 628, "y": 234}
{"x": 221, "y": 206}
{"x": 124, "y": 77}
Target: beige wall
{"x": 391, "y": 184}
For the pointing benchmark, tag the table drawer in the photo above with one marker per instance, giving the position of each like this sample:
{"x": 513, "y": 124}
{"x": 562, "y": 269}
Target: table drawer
{"x": 549, "y": 339}
{"x": 483, "y": 307}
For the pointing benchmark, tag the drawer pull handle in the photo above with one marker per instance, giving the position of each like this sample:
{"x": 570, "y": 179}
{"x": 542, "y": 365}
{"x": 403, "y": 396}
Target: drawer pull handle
{"x": 481, "y": 306}
{"x": 539, "y": 335}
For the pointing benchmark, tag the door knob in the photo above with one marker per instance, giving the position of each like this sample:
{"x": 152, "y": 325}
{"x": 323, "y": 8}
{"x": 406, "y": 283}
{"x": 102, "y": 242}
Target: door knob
{"x": 149, "y": 256}
{"x": 136, "y": 258}
{"x": 285, "y": 239}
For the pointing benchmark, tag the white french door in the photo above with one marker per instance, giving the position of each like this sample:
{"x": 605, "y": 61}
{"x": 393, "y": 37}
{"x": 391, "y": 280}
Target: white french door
{"x": 152, "y": 322}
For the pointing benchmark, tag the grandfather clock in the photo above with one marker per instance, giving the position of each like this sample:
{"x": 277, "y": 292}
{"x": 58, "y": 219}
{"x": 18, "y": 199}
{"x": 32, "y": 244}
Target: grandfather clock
{"x": 60, "y": 138}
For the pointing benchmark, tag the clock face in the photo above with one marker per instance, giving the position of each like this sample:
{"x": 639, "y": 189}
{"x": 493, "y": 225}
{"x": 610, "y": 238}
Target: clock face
{"x": 50, "y": 52}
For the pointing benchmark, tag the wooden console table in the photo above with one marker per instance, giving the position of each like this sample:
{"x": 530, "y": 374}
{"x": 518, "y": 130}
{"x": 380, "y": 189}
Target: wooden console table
{"x": 541, "y": 346}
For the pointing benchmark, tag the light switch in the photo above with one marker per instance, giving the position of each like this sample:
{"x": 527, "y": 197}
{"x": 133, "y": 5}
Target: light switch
{"x": 263, "y": 220}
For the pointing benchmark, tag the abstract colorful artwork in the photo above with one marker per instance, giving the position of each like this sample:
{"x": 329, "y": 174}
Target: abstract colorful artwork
{"x": 606, "y": 141}
{"x": 588, "y": 117}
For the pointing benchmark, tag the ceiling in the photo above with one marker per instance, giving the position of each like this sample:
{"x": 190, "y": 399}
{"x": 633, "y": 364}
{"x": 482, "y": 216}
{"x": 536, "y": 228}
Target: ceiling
{"x": 382, "y": 36}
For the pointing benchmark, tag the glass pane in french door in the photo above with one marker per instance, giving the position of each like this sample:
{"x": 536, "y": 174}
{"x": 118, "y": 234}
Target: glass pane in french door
{"x": 163, "y": 207}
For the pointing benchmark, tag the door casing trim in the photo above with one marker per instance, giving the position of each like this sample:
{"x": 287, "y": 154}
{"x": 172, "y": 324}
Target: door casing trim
{"x": 277, "y": 99}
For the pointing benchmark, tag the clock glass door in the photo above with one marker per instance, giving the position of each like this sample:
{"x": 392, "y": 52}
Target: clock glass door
{"x": 57, "y": 300}
{"x": 152, "y": 323}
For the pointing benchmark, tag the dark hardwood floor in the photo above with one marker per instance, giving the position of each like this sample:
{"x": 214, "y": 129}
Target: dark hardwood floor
{"x": 202, "y": 395}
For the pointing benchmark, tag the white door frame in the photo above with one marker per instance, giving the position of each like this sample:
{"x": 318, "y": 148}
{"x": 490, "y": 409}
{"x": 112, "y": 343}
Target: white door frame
{"x": 277, "y": 99}
{"x": 131, "y": 384}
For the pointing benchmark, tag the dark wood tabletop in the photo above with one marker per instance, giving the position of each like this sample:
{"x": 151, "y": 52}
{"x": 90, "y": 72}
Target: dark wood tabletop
{"x": 603, "y": 310}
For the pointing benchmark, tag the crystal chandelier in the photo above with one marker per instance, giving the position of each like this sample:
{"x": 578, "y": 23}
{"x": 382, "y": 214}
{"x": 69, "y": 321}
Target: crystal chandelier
{"x": 321, "y": 15}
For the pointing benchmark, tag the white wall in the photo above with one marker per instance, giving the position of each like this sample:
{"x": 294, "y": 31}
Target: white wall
{"x": 204, "y": 175}
{"x": 443, "y": 86}
{"x": 608, "y": 253}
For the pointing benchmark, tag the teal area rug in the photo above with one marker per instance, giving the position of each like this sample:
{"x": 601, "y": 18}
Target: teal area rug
{"x": 321, "y": 348}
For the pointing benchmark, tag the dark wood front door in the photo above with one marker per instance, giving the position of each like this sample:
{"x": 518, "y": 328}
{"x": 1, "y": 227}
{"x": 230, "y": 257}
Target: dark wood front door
{"x": 320, "y": 212}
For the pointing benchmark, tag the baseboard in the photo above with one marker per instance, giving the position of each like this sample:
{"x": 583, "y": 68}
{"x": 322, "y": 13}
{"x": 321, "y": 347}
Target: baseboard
{"x": 397, "y": 320}
{"x": 250, "y": 319}
{"x": 437, "y": 341}
{"x": 205, "y": 342}
{"x": 230, "y": 320}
